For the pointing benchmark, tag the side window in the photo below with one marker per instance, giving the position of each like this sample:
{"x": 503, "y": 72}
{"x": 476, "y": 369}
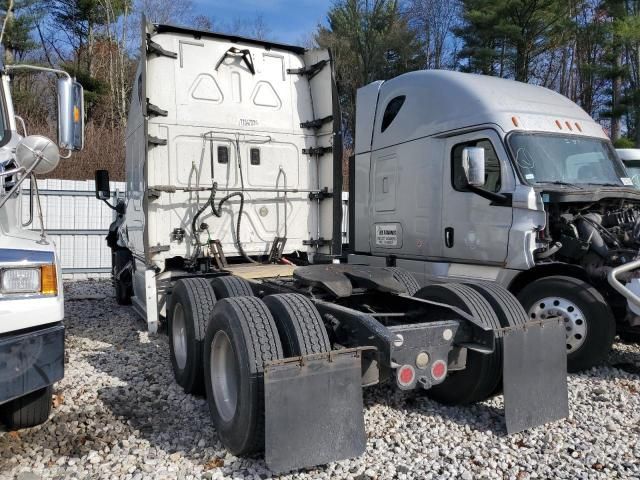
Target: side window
{"x": 390, "y": 113}
{"x": 140, "y": 92}
{"x": 491, "y": 166}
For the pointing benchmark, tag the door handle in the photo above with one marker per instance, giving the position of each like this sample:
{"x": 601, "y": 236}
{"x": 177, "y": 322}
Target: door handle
{"x": 448, "y": 237}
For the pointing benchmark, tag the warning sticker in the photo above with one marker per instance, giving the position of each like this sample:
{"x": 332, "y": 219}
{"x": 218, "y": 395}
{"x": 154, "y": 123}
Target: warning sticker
{"x": 387, "y": 234}
{"x": 626, "y": 181}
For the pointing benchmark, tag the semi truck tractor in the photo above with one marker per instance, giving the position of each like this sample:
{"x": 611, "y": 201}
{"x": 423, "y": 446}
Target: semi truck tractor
{"x": 230, "y": 238}
{"x": 631, "y": 159}
{"x": 555, "y": 217}
{"x": 31, "y": 297}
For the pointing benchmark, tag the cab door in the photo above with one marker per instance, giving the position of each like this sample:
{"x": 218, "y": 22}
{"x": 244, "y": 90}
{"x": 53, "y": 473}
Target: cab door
{"x": 476, "y": 229}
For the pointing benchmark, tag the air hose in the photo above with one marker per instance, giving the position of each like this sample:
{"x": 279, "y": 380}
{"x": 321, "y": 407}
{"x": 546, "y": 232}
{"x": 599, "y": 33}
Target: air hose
{"x": 218, "y": 213}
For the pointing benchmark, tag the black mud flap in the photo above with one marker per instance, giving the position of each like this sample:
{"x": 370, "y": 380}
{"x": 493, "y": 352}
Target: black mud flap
{"x": 313, "y": 410}
{"x": 535, "y": 374}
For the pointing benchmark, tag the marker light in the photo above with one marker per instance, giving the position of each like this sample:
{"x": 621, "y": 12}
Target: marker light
{"x": 49, "y": 281}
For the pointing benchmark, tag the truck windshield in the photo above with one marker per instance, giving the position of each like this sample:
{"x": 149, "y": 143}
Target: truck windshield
{"x": 566, "y": 160}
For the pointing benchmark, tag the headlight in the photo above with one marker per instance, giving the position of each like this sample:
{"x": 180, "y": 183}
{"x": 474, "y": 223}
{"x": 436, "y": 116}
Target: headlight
{"x": 21, "y": 280}
{"x": 41, "y": 280}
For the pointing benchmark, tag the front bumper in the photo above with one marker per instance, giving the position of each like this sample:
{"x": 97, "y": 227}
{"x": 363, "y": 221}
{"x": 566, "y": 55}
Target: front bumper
{"x": 30, "y": 361}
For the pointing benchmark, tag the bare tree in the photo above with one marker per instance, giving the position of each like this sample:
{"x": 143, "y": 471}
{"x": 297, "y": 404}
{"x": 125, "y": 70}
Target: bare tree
{"x": 256, "y": 27}
{"x": 166, "y": 11}
{"x": 434, "y": 21}
{"x": 203, "y": 22}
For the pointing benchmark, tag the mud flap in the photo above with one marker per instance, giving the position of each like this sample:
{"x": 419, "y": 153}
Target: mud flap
{"x": 313, "y": 410}
{"x": 535, "y": 374}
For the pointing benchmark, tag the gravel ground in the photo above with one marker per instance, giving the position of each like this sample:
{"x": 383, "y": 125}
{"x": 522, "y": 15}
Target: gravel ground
{"x": 119, "y": 414}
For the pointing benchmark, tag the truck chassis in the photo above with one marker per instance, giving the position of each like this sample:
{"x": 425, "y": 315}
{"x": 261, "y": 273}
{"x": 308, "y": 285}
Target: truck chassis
{"x": 283, "y": 360}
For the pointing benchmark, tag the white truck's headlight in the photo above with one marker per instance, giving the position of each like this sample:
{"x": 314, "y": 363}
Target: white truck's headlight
{"x": 42, "y": 280}
{"x": 21, "y": 280}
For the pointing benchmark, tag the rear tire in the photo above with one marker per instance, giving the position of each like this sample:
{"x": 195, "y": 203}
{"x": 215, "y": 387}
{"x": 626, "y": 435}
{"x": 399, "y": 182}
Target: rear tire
{"x": 230, "y": 286}
{"x": 590, "y": 323}
{"x": 190, "y": 305}
{"x": 29, "y": 410}
{"x": 300, "y": 326}
{"x": 406, "y": 279}
{"x": 509, "y": 310}
{"x": 483, "y": 372}
{"x": 241, "y": 336}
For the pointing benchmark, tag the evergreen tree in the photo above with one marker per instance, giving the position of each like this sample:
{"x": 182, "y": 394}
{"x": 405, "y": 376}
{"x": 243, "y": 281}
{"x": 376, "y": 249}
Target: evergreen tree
{"x": 505, "y": 37}
{"x": 20, "y": 21}
{"x": 370, "y": 40}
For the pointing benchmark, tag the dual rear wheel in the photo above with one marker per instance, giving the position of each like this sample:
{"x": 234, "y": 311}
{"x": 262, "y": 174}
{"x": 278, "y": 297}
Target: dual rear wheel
{"x": 241, "y": 334}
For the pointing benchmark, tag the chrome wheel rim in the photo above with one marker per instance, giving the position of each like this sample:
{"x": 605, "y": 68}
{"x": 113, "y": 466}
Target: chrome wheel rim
{"x": 224, "y": 381}
{"x": 179, "y": 336}
{"x": 574, "y": 320}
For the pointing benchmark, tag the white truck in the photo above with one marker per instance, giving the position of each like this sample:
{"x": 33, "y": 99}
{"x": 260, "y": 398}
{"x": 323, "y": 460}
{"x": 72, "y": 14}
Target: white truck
{"x": 31, "y": 299}
{"x": 631, "y": 159}
{"x": 230, "y": 236}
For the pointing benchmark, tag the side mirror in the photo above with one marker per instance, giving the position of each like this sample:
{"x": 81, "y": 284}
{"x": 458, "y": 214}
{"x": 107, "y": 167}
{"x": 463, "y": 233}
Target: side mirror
{"x": 473, "y": 165}
{"x": 70, "y": 114}
{"x": 103, "y": 191}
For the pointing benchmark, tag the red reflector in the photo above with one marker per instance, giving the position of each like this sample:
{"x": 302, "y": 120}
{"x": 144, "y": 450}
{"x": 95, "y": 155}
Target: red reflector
{"x": 438, "y": 370}
{"x": 406, "y": 374}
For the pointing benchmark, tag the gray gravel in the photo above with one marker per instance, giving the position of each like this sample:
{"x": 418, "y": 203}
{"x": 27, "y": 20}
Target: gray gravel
{"x": 119, "y": 414}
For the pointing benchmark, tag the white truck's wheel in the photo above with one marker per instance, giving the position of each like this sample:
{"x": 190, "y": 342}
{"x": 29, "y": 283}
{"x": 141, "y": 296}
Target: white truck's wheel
{"x": 483, "y": 372}
{"x": 189, "y": 308}
{"x": 27, "y": 411}
{"x": 299, "y": 323}
{"x": 230, "y": 286}
{"x": 241, "y": 336}
{"x": 406, "y": 279}
{"x": 589, "y": 321}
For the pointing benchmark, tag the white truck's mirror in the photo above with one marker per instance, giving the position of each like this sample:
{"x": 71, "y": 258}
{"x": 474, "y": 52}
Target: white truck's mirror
{"x": 70, "y": 114}
{"x": 103, "y": 192}
{"x": 37, "y": 154}
{"x": 473, "y": 165}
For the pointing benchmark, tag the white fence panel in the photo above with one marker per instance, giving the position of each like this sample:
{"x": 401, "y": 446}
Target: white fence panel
{"x": 77, "y": 222}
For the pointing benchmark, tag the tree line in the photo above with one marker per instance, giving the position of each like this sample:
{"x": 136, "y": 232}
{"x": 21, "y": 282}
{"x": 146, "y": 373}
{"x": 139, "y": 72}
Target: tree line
{"x": 588, "y": 50}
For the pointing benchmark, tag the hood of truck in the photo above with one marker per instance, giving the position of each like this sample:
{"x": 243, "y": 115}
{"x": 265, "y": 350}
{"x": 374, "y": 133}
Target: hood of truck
{"x": 25, "y": 240}
{"x": 587, "y": 193}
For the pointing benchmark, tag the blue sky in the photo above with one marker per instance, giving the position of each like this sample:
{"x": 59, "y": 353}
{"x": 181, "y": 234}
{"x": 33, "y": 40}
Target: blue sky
{"x": 290, "y": 21}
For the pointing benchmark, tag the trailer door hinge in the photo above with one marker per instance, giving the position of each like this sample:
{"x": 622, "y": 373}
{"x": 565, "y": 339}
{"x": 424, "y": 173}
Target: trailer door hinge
{"x": 316, "y": 243}
{"x": 317, "y": 150}
{"x": 321, "y": 195}
{"x": 155, "y": 110}
{"x": 310, "y": 71}
{"x": 153, "y": 47}
{"x": 159, "y": 248}
{"x": 315, "y": 124}
{"x": 156, "y": 141}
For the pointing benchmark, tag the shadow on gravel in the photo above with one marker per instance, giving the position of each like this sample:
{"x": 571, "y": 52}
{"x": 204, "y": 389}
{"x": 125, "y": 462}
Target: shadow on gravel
{"x": 150, "y": 402}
